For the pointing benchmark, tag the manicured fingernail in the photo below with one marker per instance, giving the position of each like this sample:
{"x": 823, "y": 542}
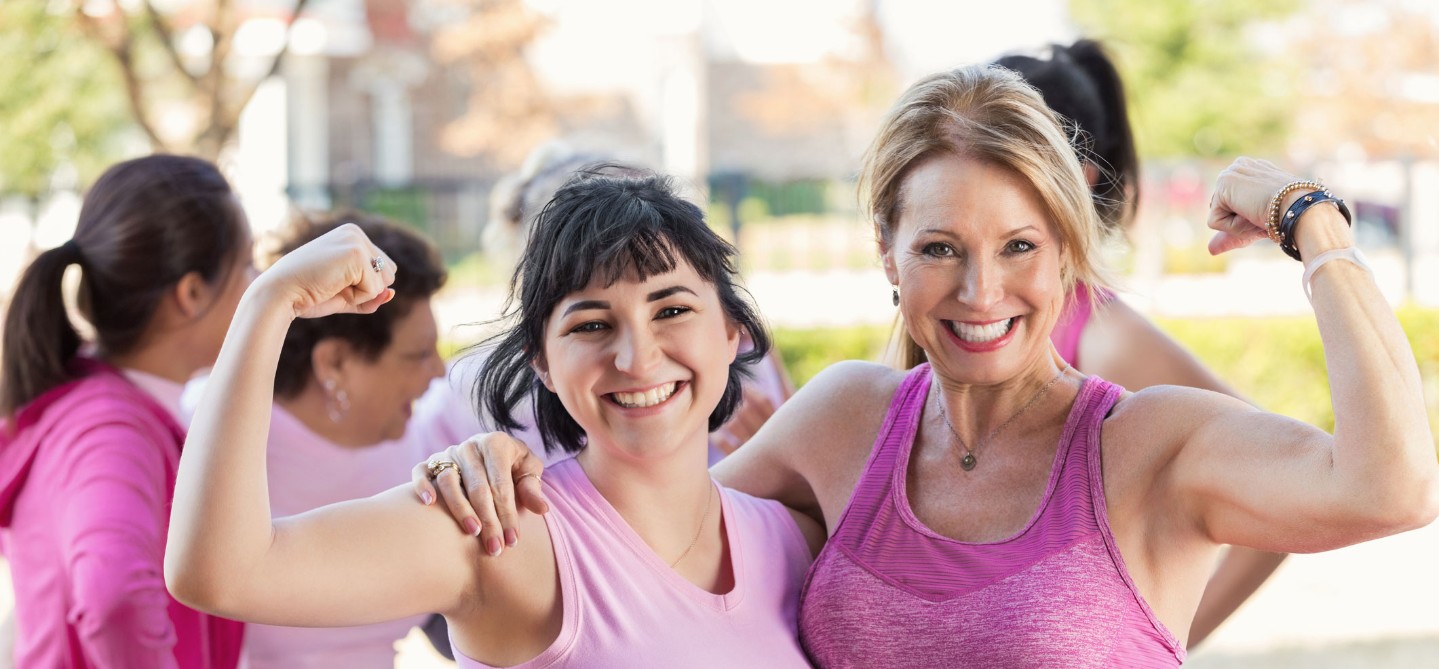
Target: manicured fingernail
{"x": 472, "y": 526}
{"x": 493, "y": 546}
{"x": 426, "y": 497}
{"x": 511, "y": 536}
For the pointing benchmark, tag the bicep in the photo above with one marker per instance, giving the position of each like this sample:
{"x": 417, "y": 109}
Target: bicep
{"x": 360, "y": 562}
{"x": 1122, "y": 346}
{"x": 1262, "y": 480}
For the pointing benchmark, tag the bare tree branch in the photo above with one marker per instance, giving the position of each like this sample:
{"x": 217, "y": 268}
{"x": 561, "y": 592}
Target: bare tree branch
{"x": 167, "y": 41}
{"x": 121, "y": 47}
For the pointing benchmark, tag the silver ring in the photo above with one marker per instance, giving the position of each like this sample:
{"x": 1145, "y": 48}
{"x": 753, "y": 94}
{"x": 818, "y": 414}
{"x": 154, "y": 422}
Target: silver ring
{"x": 377, "y": 263}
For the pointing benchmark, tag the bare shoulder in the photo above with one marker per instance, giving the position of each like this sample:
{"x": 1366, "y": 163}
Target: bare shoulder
{"x": 809, "y": 453}
{"x": 844, "y": 404}
{"x": 852, "y": 385}
{"x": 1148, "y": 427}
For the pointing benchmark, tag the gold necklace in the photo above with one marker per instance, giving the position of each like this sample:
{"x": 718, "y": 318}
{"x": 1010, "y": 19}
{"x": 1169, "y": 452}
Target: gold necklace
{"x": 968, "y": 462}
{"x": 709, "y": 498}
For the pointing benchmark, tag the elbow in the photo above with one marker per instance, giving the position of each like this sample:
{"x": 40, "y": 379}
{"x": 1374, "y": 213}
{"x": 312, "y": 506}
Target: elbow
{"x": 191, "y": 586}
{"x": 1427, "y": 509}
{"x": 1408, "y": 506}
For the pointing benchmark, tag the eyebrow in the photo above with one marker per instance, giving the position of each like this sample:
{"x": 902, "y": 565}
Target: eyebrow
{"x": 652, "y": 297}
{"x": 940, "y": 231}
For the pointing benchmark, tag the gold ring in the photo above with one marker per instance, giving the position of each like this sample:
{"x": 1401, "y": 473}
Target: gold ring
{"x": 523, "y": 476}
{"x": 436, "y": 467}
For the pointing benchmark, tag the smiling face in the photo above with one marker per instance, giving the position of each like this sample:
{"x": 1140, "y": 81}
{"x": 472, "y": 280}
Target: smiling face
{"x": 640, "y": 365}
{"x": 977, "y": 261}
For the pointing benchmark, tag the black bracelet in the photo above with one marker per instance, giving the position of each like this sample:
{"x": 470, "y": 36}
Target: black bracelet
{"x": 1296, "y": 210}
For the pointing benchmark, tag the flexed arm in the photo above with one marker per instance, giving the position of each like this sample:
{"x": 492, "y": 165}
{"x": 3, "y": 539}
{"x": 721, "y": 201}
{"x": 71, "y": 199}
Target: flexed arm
{"x": 1261, "y": 480}
{"x": 352, "y": 563}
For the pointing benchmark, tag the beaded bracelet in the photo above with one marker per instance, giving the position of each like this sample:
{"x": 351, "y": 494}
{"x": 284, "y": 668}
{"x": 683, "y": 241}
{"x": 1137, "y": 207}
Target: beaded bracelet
{"x": 1275, "y": 205}
{"x": 1296, "y": 210}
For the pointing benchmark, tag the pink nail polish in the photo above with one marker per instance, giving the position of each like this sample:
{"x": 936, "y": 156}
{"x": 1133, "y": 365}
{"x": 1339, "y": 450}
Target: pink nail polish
{"x": 426, "y": 497}
{"x": 472, "y": 526}
{"x": 511, "y": 536}
{"x": 493, "y": 546}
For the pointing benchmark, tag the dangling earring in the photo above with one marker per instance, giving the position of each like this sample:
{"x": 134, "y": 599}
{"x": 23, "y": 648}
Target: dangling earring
{"x": 896, "y": 296}
{"x": 337, "y": 402}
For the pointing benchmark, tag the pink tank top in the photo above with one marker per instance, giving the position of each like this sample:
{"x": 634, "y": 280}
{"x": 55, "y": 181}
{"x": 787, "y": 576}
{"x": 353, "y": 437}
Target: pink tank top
{"x": 624, "y": 607}
{"x": 887, "y": 591}
{"x": 1073, "y": 320}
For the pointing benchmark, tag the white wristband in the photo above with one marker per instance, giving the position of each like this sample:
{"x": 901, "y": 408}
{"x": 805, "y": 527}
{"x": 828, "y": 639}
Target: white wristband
{"x": 1350, "y": 253}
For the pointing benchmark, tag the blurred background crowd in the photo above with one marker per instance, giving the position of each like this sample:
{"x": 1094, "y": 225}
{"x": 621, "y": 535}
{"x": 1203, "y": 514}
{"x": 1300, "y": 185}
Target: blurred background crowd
{"x": 420, "y": 111}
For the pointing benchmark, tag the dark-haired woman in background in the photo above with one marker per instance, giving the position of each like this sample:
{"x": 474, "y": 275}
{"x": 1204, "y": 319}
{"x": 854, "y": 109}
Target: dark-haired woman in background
{"x": 344, "y": 424}
{"x": 1115, "y": 342}
{"x": 92, "y": 434}
{"x": 627, "y": 328}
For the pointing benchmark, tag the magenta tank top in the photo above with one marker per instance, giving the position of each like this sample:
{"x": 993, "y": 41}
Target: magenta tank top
{"x": 1072, "y": 321}
{"x": 624, "y": 607}
{"x": 887, "y": 591}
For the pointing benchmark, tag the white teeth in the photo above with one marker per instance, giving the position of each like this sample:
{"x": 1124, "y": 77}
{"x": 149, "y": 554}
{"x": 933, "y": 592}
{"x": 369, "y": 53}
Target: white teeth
{"x": 979, "y": 334}
{"x": 647, "y": 398}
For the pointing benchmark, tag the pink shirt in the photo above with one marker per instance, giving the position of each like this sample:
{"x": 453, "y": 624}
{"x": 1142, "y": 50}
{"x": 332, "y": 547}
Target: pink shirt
{"x": 86, "y": 484}
{"x": 1073, "y": 320}
{"x": 625, "y": 608}
{"x": 888, "y": 591}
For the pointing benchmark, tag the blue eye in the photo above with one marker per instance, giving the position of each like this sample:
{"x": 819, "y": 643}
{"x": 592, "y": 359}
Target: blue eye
{"x": 671, "y": 312}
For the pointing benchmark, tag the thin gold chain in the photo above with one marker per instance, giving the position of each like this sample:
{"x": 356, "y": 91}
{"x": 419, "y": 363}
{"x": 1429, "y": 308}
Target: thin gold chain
{"x": 970, "y": 452}
{"x": 709, "y": 499}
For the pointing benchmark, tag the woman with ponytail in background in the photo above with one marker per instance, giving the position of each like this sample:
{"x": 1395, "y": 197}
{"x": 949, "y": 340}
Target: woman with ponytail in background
{"x": 91, "y": 433}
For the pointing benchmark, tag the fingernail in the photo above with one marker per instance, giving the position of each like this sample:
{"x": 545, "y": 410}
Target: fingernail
{"x": 511, "y": 536}
{"x": 472, "y": 526}
{"x": 493, "y": 546}
{"x": 426, "y": 497}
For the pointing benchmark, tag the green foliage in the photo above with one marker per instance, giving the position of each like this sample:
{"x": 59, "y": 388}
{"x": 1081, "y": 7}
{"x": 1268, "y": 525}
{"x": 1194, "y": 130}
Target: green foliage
{"x": 1279, "y": 362}
{"x": 1199, "y": 83}
{"x": 62, "y": 106}
{"x": 807, "y": 351}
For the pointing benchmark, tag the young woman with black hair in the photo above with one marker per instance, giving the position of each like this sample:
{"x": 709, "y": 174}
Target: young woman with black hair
{"x": 91, "y": 437}
{"x": 627, "y": 323}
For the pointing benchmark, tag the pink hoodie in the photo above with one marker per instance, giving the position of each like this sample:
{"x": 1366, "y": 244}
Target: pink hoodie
{"x": 86, "y": 542}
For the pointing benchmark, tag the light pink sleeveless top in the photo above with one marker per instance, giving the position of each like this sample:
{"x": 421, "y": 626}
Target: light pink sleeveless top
{"x": 887, "y": 591}
{"x": 624, "y": 607}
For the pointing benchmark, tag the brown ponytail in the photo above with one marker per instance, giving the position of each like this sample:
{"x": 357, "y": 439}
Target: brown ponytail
{"x": 144, "y": 225}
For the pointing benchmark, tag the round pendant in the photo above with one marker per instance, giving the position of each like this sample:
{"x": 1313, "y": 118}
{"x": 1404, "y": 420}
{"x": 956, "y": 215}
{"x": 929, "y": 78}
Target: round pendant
{"x": 968, "y": 462}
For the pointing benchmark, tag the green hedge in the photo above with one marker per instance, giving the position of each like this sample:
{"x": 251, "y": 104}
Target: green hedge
{"x": 1276, "y": 362}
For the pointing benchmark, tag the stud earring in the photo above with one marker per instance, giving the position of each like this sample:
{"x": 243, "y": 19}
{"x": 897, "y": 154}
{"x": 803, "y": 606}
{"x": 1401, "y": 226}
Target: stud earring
{"x": 896, "y": 296}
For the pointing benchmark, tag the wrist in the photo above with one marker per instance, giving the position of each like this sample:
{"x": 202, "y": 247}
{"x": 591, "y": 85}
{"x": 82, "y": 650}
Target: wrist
{"x": 266, "y": 296}
{"x": 1322, "y": 229}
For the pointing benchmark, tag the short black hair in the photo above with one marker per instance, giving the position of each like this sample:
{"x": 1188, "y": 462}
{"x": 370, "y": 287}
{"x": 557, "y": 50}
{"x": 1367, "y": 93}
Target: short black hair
{"x": 604, "y": 223}
{"x": 420, "y": 274}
